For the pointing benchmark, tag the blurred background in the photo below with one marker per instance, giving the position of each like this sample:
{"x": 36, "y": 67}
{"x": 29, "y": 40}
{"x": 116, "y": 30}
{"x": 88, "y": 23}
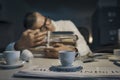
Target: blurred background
{"x": 97, "y": 20}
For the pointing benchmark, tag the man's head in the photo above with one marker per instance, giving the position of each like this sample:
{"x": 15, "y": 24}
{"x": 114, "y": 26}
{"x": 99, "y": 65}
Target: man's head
{"x": 35, "y": 20}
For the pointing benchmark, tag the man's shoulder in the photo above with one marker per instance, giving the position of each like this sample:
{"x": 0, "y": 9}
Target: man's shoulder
{"x": 63, "y": 21}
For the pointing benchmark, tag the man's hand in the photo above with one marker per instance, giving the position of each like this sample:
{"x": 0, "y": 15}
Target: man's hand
{"x": 30, "y": 38}
{"x": 59, "y": 47}
{"x": 53, "y": 52}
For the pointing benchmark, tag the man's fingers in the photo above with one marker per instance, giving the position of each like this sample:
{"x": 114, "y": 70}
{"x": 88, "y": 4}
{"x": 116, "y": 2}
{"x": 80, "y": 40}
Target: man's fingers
{"x": 57, "y": 45}
{"x": 31, "y": 37}
{"x": 37, "y": 31}
{"x": 40, "y": 34}
{"x": 34, "y": 32}
{"x": 50, "y": 49}
{"x": 38, "y": 43}
{"x": 57, "y": 49}
{"x": 39, "y": 39}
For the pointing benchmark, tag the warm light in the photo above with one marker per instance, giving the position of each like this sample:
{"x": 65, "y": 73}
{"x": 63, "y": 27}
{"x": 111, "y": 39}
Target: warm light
{"x": 90, "y": 39}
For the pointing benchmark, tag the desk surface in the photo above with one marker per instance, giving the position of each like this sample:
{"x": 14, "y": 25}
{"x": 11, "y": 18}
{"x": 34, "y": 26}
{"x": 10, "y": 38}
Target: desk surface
{"x": 44, "y": 62}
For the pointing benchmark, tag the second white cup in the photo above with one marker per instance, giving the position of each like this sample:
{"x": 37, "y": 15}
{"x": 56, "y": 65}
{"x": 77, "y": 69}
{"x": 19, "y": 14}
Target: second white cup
{"x": 67, "y": 58}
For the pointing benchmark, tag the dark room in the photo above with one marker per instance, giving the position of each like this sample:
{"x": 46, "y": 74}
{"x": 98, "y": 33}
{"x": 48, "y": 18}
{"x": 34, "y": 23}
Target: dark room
{"x": 60, "y": 39}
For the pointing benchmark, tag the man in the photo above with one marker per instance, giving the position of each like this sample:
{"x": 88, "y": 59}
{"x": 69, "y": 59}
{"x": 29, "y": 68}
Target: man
{"x": 37, "y": 26}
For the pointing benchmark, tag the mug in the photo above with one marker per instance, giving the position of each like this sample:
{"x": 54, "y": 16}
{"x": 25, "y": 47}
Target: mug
{"x": 11, "y": 57}
{"x": 67, "y": 58}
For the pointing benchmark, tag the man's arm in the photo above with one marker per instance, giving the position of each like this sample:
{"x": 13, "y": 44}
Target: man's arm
{"x": 67, "y": 25}
{"x": 82, "y": 46}
{"x": 29, "y": 38}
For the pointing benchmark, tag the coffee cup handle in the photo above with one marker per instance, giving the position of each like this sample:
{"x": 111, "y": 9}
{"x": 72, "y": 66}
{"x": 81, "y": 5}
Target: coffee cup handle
{"x": 1, "y": 55}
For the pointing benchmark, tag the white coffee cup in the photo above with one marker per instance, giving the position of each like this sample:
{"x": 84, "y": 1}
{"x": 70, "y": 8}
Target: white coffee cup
{"x": 67, "y": 58}
{"x": 11, "y": 57}
{"x": 116, "y": 52}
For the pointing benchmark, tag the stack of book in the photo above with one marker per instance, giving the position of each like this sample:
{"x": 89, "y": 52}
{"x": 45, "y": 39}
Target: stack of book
{"x": 65, "y": 37}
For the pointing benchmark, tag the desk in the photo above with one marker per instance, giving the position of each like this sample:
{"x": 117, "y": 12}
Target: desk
{"x": 44, "y": 62}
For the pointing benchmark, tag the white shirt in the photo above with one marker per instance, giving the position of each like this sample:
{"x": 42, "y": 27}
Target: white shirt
{"x": 66, "y": 25}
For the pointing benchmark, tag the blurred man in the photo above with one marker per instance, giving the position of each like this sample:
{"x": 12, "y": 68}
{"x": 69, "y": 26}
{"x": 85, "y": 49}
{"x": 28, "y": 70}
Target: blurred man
{"x": 37, "y": 26}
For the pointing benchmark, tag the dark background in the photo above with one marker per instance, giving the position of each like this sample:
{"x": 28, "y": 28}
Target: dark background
{"x": 87, "y": 15}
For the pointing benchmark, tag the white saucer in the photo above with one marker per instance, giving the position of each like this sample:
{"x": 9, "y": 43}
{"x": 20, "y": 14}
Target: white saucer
{"x": 6, "y": 66}
{"x": 60, "y": 68}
